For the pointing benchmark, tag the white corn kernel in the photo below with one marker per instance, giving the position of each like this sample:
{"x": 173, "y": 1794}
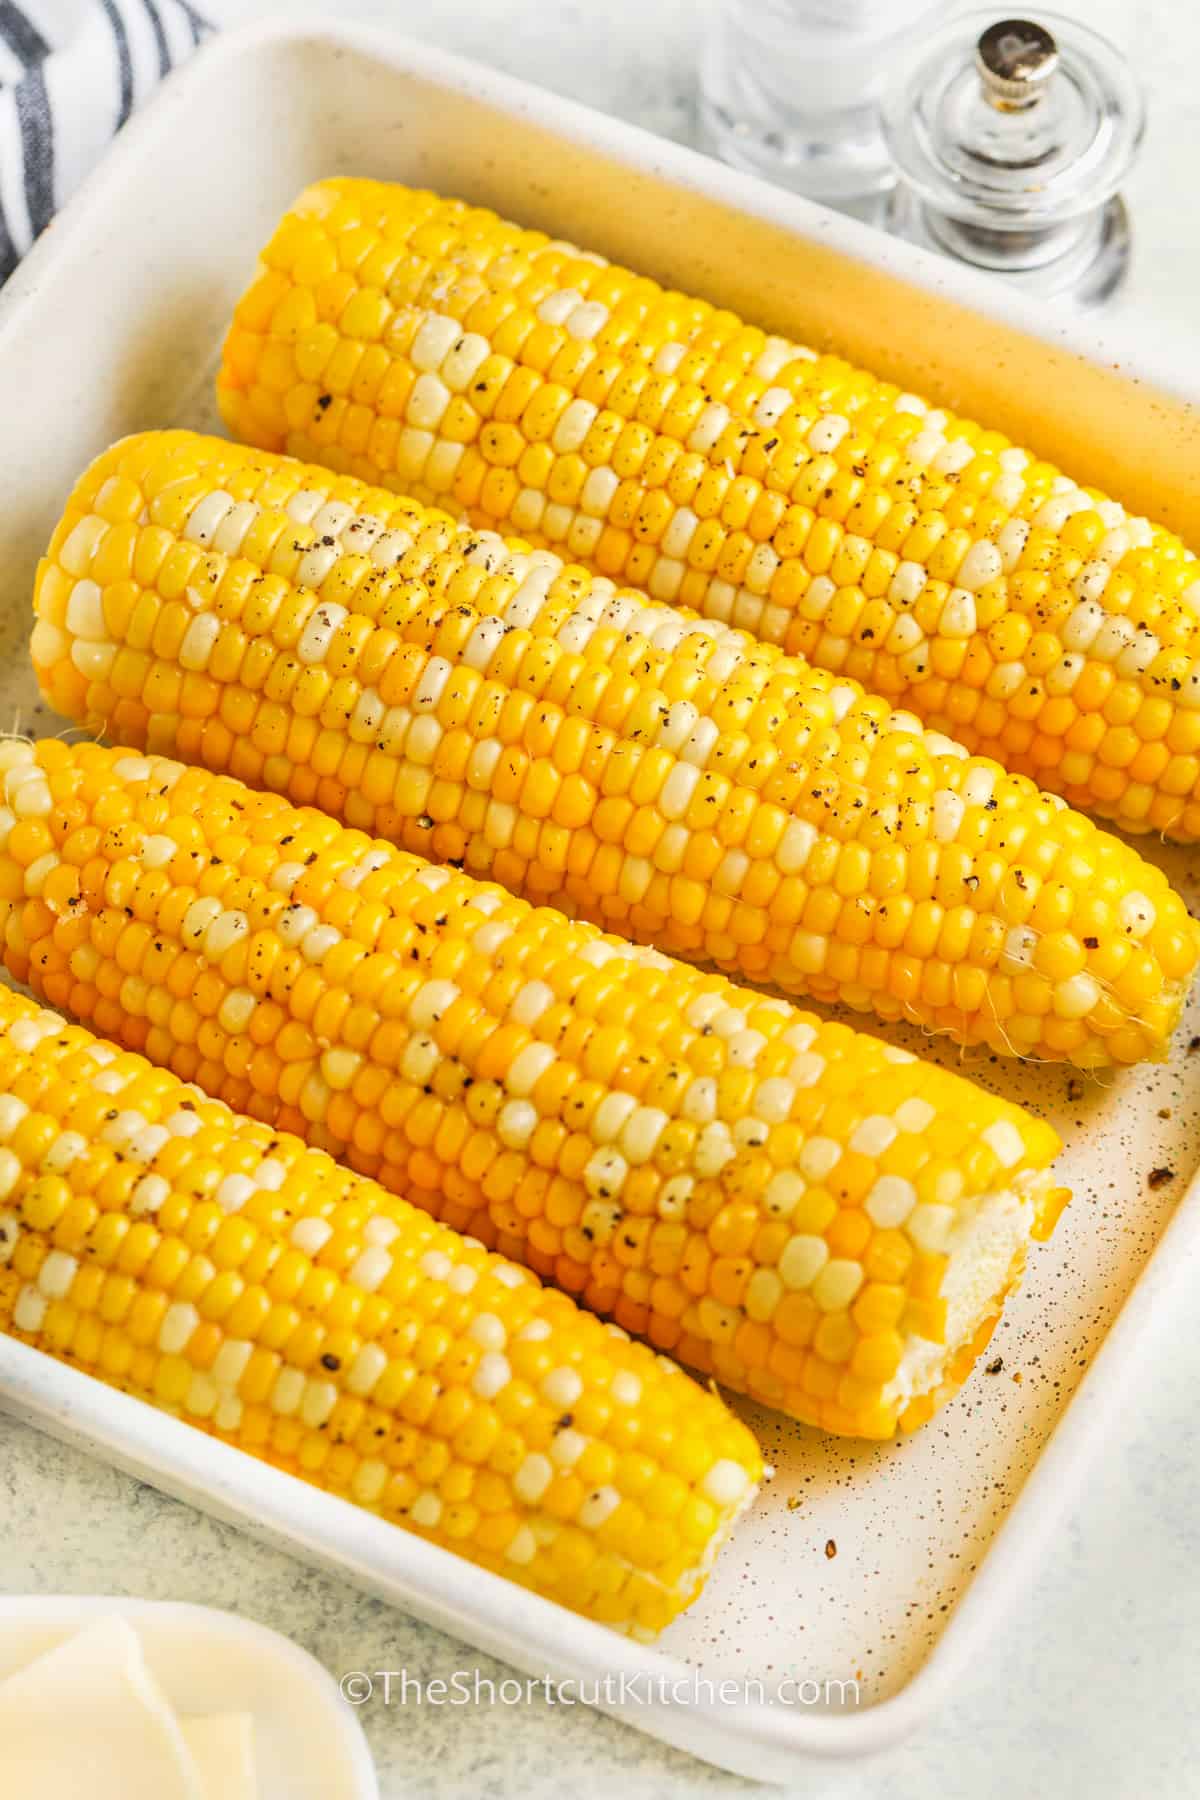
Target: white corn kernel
{"x": 890, "y": 1201}
{"x": 803, "y": 1258}
{"x": 726, "y": 1483}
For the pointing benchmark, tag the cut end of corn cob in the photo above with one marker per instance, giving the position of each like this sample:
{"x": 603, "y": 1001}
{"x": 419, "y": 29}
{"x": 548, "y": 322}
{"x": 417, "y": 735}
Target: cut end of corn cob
{"x": 220, "y": 1269}
{"x": 429, "y": 346}
{"x": 811, "y": 1216}
{"x": 667, "y": 776}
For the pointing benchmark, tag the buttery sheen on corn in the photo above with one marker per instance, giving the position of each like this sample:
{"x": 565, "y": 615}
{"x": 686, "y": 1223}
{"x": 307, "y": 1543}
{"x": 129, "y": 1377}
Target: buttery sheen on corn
{"x": 812, "y": 1216}
{"x": 427, "y": 345}
{"x": 218, "y": 1268}
{"x": 668, "y": 776}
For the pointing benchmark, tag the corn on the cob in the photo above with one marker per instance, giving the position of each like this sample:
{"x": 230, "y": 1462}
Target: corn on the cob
{"x": 427, "y": 345}
{"x": 668, "y": 777}
{"x": 813, "y": 1217}
{"x": 213, "y": 1266}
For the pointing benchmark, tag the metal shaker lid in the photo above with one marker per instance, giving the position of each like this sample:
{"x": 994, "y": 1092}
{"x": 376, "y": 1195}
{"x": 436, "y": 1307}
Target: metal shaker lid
{"x": 1003, "y": 123}
{"x": 1015, "y": 59}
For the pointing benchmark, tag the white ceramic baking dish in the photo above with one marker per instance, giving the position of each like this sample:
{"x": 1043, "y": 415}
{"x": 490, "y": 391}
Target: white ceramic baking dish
{"x": 881, "y": 1566}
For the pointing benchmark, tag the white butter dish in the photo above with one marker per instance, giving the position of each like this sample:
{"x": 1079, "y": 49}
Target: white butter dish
{"x": 308, "y": 1743}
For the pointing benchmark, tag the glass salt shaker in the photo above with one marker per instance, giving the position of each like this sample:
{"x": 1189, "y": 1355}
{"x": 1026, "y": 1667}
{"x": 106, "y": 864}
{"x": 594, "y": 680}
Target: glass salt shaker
{"x": 1011, "y": 139}
{"x": 790, "y": 89}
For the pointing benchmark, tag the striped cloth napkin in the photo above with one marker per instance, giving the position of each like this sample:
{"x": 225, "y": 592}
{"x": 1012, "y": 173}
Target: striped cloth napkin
{"x": 71, "y": 72}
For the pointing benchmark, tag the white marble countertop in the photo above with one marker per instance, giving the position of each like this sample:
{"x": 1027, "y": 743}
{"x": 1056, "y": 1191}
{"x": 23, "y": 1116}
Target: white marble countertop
{"x": 1090, "y": 1685}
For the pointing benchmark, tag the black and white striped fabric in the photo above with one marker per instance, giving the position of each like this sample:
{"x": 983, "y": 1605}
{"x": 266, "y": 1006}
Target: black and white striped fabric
{"x": 71, "y": 72}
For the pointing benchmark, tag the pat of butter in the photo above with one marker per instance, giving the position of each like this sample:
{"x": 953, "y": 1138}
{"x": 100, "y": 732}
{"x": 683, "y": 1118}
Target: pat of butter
{"x": 88, "y": 1718}
{"x": 222, "y": 1748}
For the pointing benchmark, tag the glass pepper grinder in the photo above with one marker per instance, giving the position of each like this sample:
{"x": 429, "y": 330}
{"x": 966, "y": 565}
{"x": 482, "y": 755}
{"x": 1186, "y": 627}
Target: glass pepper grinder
{"x": 790, "y": 89}
{"x": 1011, "y": 139}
